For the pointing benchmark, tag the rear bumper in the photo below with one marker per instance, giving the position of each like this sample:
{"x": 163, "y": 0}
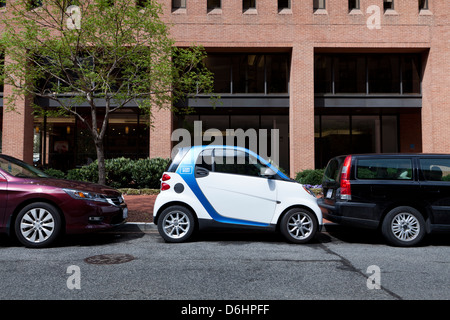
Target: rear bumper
{"x": 350, "y": 213}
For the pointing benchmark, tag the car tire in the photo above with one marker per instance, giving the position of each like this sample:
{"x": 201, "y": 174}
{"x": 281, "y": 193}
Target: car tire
{"x": 176, "y": 224}
{"x": 403, "y": 226}
{"x": 298, "y": 225}
{"x": 38, "y": 225}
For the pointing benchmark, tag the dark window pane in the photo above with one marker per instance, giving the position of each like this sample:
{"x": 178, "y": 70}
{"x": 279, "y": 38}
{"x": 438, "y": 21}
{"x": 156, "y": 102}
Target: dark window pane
{"x": 384, "y": 74}
{"x": 423, "y": 4}
{"x": 214, "y": 4}
{"x": 350, "y": 74}
{"x": 388, "y": 4}
{"x": 249, "y": 4}
{"x": 221, "y": 67}
{"x": 322, "y": 74}
{"x": 353, "y": 4}
{"x": 284, "y": 4}
{"x": 319, "y": 4}
{"x": 411, "y": 74}
{"x": 177, "y": 4}
{"x": 277, "y": 73}
{"x": 248, "y": 73}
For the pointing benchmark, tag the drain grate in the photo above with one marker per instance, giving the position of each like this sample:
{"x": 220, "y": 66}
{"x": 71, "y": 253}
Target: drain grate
{"x": 109, "y": 258}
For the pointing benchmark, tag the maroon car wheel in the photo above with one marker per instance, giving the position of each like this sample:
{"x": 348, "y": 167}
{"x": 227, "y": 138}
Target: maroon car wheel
{"x": 38, "y": 225}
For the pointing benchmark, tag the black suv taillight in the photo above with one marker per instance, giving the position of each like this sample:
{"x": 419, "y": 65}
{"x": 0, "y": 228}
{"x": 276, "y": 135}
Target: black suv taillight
{"x": 346, "y": 190}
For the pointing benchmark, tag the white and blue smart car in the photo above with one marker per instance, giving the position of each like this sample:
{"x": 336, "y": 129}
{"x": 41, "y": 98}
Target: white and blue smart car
{"x": 227, "y": 186}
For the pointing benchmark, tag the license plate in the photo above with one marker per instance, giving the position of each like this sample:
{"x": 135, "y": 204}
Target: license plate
{"x": 125, "y": 213}
{"x": 329, "y": 193}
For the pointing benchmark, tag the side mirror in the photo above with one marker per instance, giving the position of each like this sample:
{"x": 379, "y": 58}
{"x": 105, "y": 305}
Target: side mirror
{"x": 267, "y": 172}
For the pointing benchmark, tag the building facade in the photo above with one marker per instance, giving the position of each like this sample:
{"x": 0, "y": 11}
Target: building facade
{"x": 333, "y": 76}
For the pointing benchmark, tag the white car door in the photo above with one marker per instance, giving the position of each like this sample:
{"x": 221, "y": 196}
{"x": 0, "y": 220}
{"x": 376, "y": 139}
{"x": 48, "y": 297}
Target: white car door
{"x": 235, "y": 188}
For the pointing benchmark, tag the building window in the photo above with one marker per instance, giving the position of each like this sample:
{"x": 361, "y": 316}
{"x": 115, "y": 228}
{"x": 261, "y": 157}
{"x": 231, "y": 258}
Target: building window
{"x": 33, "y": 4}
{"x": 318, "y": 4}
{"x": 388, "y": 73}
{"x": 353, "y": 4}
{"x": 284, "y": 4}
{"x": 388, "y": 5}
{"x": 178, "y": 4}
{"x": 214, "y": 4}
{"x": 249, "y": 73}
{"x": 423, "y": 5}
{"x": 248, "y": 4}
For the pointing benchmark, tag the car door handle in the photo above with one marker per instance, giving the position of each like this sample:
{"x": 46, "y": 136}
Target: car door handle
{"x": 201, "y": 172}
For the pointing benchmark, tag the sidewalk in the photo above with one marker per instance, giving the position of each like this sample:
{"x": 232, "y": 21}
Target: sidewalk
{"x": 140, "y": 208}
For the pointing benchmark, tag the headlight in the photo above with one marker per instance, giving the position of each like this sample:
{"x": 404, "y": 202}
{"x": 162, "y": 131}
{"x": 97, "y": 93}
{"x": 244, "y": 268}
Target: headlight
{"x": 83, "y": 195}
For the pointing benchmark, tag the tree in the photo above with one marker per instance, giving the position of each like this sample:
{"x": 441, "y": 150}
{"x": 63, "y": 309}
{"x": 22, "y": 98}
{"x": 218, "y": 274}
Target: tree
{"x": 100, "y": 52}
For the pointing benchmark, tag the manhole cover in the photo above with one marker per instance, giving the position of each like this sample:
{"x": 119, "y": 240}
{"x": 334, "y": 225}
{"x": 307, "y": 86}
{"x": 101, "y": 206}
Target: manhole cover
{"x": 109, "y": 259}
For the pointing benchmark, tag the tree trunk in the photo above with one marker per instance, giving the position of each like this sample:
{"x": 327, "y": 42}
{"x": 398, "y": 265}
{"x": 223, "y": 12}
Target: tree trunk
{"x": 101, "y": 161}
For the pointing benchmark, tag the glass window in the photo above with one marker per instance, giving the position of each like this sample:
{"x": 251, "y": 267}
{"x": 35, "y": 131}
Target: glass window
{"x": 248, "y": 4}
{"x": 423, "y": 4}
{"x": 384, "y": 169}
{"x": 353, "y": 4}
{"x": 284, "y": 4}
{"x": 236, "y": 162}
{"x": 322, "y": 74}
{"x": 214, "y": 4}
{"x": 435, "y": 169}
{"x": 178, "y": 4}
{"x": 349, "y": 74}
{"x": 248, "y": 73}
{"x": 411, "y": 74}
{"x": 318, "y": 4}
{"x": 384, "y": 75}
{"x": 220, "y": 66}
{"x": 388, "y": 5}
{"x": 33, "y": 4}
{"x": 277, "y": 67}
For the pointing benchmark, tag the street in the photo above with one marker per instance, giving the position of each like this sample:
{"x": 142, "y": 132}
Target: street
{"x": 134, "y": 263}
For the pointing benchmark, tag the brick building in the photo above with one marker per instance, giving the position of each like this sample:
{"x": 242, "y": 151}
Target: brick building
{"x": 334, "y": 76}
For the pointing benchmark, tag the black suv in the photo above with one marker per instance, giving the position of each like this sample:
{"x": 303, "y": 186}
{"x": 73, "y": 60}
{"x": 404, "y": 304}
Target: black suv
{"x": 405, "y": 195}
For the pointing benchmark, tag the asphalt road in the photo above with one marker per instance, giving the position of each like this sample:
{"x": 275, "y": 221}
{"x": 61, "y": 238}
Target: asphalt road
{"x": 340, "y": 264}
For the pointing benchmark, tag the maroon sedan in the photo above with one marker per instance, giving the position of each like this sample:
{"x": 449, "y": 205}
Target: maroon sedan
{"x": 38, "y": 208}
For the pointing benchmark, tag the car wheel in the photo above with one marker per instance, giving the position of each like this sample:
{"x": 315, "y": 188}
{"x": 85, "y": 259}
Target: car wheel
{"x": 298, "y": 225}
{"x": 37, "y": 225}
{"x": 403, "y": 226}
{"x": 176, "y": 224}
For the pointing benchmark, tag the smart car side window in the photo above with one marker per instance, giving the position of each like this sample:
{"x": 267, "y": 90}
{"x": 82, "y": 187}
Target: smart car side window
{"x": 236, "y": 162}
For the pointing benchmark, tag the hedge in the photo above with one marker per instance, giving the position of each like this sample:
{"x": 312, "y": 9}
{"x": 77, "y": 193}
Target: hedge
{"x": 310, "y": 177}
{"x": 120, "y": 173}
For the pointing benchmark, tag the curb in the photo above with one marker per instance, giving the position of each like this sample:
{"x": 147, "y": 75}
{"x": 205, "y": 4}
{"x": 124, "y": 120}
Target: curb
{"x": 150, "y": 226}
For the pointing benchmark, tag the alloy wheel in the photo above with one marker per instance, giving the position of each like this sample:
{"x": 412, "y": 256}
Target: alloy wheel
{"x": 405, "y": 227}
{"x": 37, "y": 225}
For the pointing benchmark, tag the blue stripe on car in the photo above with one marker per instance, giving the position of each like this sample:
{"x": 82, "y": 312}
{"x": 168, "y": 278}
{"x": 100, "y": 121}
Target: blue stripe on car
{"x": 187, "y": 172}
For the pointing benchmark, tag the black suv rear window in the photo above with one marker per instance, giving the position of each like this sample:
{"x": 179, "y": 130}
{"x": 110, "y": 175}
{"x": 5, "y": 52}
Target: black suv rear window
{"x": 384, "y": 169}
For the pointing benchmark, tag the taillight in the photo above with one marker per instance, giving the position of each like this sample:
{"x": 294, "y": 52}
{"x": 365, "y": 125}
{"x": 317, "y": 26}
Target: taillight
{"x": 346, "y": 191}
{"x": 165, "y": 186}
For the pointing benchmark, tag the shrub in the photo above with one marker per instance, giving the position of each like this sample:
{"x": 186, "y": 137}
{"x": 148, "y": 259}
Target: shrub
{"x": 310, "y": 177}
{"x": 124, "y": 172}
{"x": 54, "y": 173}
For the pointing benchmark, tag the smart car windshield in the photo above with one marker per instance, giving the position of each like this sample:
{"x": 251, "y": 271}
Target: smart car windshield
{"x": 20, "y": 169}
